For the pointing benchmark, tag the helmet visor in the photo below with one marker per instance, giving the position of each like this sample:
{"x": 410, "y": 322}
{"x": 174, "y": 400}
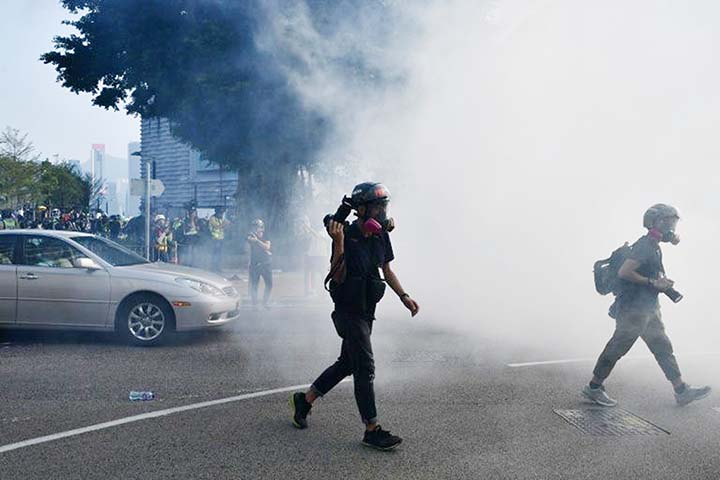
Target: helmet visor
{"x": 378, "y": 210}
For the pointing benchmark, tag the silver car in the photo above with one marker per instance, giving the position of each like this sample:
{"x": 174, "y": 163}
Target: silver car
{"x": 71, "y": 280}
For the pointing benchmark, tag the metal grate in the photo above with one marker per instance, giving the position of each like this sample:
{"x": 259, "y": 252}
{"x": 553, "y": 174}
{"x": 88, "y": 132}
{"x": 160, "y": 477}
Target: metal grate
{"x": 609, "y": 422}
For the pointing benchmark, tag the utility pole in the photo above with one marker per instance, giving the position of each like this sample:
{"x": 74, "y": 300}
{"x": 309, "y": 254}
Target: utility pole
{"x": 147, "y": 200}
{"x": 147, "y": 209}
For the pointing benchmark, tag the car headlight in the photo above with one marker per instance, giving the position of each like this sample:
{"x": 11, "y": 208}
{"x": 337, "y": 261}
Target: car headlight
{"x": 201, "y": 287}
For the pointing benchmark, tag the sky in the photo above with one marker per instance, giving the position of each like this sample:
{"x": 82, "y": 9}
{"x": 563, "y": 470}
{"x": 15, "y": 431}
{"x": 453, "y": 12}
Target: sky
{"x": 56, "y": 120}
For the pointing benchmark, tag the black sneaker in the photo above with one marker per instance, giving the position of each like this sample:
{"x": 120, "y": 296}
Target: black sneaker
{"x": 300, "y": 409}
{"x": 381, "y": 439}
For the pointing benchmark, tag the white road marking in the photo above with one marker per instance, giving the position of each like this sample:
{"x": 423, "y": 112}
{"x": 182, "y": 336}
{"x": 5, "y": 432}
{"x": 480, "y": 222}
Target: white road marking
{"x": 146, "y": 416}
{"x": 551, "y": 362}
{"x": 594, "y": 359}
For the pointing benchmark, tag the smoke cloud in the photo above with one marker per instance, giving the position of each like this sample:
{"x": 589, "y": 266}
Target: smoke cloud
{"x": 522, "y": 141}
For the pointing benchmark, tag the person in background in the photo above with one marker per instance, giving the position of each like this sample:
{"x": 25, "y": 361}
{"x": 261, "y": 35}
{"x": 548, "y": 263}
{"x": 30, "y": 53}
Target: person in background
{"x": 162, "y": 238}
{"x": 260, "y": 262}
{"x": 190, "y": 235}
{"x": 217, "y": 224}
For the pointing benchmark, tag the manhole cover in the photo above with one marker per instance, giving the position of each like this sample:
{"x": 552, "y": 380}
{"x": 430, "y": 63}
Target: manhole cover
{"x": 613, "y": 422}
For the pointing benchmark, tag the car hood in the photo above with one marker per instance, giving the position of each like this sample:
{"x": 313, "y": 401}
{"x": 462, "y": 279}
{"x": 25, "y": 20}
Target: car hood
{"x": 177, "y": 270}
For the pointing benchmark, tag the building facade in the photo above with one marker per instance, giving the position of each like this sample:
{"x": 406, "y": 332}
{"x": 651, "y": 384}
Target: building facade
{"x": 187, "y": 175}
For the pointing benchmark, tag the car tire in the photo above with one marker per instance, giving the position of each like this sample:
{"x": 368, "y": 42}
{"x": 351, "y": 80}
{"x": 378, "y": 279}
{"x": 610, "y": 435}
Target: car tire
{"x": 145, "y": 320}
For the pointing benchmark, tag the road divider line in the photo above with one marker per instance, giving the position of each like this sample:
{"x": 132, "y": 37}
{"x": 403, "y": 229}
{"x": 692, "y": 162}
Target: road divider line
{"x": 549, "y": 362}
{"x": 146, "y": 416}
{"x": 594, "y": 359}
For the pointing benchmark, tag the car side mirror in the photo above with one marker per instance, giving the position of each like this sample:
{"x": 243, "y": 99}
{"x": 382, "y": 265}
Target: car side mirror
{"x": 86, "y": 263}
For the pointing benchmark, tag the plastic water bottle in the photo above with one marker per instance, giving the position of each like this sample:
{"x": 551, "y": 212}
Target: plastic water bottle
{"x": 141, "y": 396}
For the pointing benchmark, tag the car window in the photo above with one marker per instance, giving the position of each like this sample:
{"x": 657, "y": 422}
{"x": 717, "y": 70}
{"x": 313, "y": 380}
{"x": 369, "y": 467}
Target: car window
{"x": 49, "y": 252}
{"x": 7, "y": 249}
{"x": 109, "y": 251}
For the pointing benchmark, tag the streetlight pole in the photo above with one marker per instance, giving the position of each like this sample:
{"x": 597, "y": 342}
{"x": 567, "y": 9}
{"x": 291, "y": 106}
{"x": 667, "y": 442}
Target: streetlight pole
{"x": 147, "y": 200}
{"x": 147, "y": 209}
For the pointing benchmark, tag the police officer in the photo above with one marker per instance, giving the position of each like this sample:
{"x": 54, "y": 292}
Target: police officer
{"x": 190, "y": 235}
{"x": 216, "y": 225}
{"x": 8, "y": 220}
{"x": 637, "y": 310}
{"x": 358, "y": 253}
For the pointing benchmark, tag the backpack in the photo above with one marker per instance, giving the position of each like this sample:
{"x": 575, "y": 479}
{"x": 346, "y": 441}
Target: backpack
{"x": 606, "y": 271}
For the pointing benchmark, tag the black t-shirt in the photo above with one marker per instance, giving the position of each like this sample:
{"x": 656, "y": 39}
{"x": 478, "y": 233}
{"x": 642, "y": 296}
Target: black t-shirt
{"x": 634, "y": 296}
{"x": 258, "y": 255}
{"x": 364, "y": 257}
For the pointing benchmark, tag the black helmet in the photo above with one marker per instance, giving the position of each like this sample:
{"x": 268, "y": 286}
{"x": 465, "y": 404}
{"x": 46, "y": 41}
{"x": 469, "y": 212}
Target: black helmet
{"x": 369, "y": 192}
{"x": 658, "y": 212}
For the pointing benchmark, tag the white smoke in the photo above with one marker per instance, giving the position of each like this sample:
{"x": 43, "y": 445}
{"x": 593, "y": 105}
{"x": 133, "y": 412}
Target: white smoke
{"x": 522, "y": 141}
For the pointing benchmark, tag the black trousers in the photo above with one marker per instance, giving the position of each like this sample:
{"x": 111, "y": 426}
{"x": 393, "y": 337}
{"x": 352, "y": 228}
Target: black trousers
{"x": 255, "y": 272}
{"x": 356, "y": 359}
{"x": 629, "y": 327}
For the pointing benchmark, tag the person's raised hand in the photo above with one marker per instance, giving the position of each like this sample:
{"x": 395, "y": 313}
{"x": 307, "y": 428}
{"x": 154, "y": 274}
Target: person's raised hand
{"x": 336, "y": 230}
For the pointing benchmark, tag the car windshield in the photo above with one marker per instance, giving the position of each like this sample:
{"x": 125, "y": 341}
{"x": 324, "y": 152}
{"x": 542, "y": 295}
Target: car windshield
{"x": 109, "y": 251}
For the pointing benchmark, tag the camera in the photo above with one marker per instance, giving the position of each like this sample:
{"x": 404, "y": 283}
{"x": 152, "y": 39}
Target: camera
{"x": 673, "y": 295}
{"x": 343, "y": 211}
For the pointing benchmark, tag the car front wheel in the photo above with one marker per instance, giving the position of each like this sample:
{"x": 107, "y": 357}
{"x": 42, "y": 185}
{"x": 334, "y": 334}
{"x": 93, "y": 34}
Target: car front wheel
{"x": 145, "y": 320}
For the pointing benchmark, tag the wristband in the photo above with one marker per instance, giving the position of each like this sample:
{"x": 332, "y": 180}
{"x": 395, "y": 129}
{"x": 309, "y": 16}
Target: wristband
{"x": 651, "y": 282}
{"x": 404, "y": 295}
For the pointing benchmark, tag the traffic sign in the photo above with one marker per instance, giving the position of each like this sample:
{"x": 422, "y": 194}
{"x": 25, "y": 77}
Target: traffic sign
{"x": 137, "y": 187}
{"x": 157, "y": 187}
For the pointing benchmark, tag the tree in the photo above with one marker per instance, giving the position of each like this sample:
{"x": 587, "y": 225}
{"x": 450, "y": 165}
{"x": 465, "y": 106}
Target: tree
{"x": 25, "y": 181}
{"x": 16, "y": 147}
{"x": 196, "y": 63}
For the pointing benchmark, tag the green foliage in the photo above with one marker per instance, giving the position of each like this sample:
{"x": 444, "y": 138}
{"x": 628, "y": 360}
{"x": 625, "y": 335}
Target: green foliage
{"x": 26, "y": 182}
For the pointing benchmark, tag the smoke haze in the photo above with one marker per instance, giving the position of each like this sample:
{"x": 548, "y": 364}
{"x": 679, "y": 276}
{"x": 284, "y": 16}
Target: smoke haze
{"x": 522, "y": 141}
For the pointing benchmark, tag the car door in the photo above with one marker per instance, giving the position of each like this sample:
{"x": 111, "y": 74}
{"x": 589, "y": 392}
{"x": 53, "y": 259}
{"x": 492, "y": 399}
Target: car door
{"x": 52, "y": 291}
{"x": 8, "y": 279}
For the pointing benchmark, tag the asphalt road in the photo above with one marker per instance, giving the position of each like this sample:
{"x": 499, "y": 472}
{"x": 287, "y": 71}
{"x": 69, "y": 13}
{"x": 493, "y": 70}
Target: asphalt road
{"x": 462, "y": 411}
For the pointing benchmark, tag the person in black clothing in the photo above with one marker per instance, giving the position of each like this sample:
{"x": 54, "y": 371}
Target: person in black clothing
{"x": 637, "y": 310}
{"x": 359, "y": 251}
{"x": 260, "y": 262}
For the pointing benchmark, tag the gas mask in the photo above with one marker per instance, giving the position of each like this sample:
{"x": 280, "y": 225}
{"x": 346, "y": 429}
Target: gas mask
{"x": 376, "y": 219}
{"x": 665, "y": 230}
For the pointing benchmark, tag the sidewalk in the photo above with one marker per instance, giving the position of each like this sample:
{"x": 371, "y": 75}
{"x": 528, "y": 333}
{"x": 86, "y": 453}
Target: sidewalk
{"x": 288, "y": 289}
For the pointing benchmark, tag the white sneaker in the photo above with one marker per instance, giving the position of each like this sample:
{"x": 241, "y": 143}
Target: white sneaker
{"x": 598, "y": 396}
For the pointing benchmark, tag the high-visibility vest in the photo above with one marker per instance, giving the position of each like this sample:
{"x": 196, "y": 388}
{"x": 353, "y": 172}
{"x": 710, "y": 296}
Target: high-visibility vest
{"x": 162, "y": 242}
{"x": 217, "y": 228}
{"x": 9, "y": 223}
{"x": 190, "y": 227}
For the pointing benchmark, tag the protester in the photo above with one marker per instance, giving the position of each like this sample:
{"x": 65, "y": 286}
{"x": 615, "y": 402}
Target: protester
{"x": 359, "y": 252}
